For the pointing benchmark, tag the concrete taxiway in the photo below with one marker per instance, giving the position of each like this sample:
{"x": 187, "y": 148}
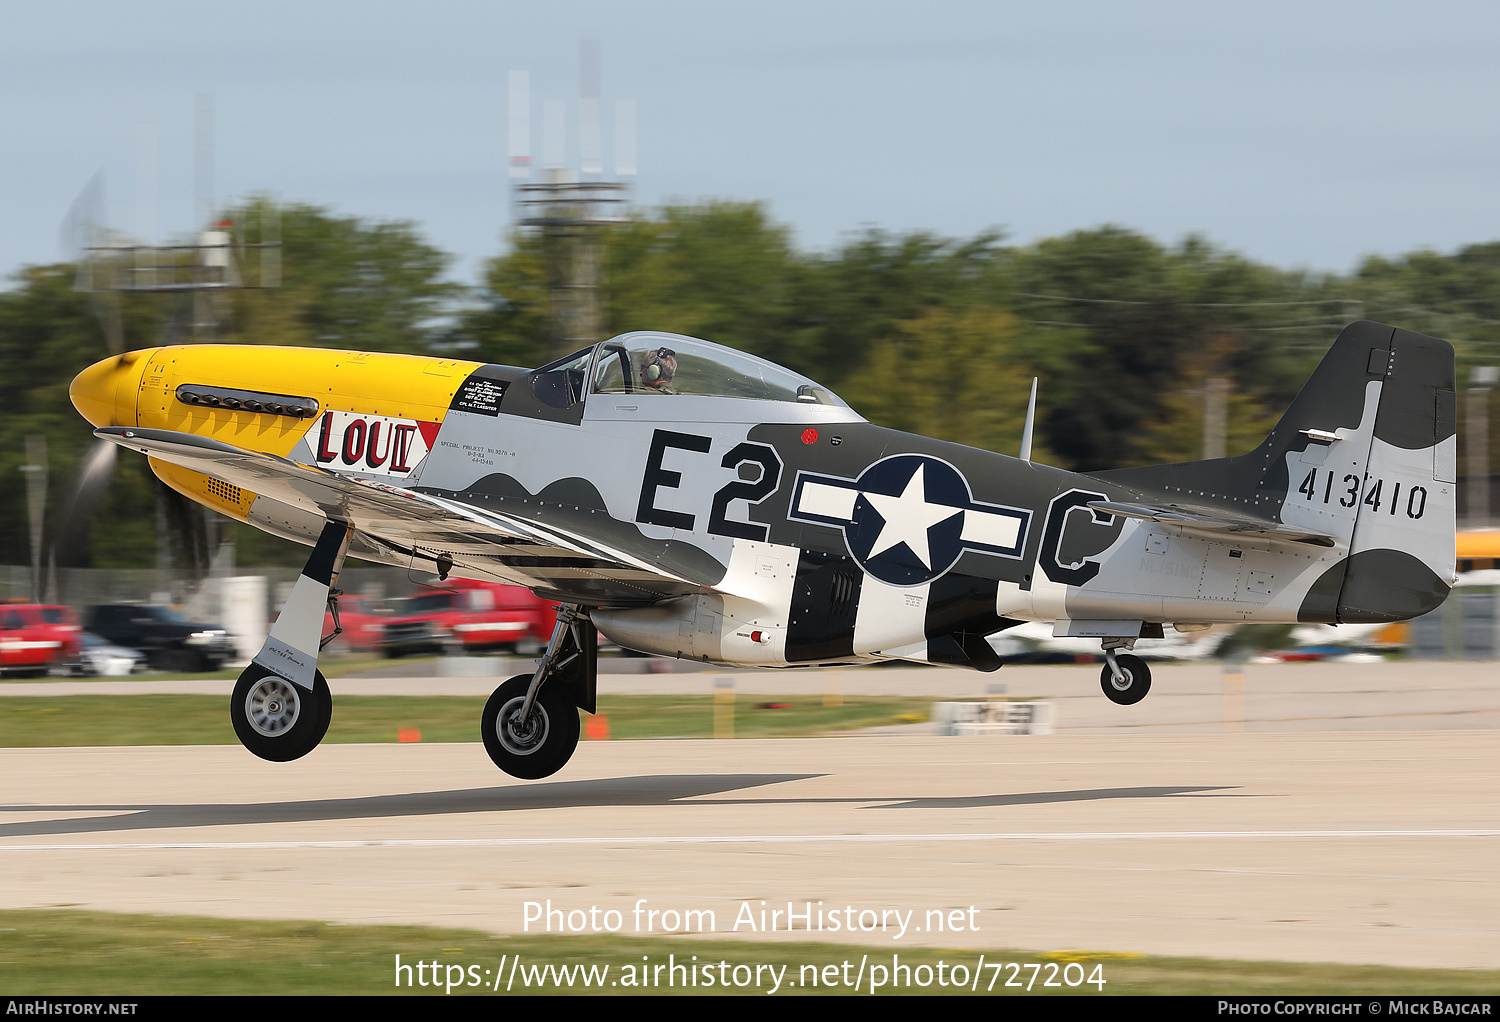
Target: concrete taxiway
{"x": 1378, "y": 844}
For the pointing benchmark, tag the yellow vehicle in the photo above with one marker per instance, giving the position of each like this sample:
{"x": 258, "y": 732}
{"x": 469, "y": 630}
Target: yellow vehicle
{"x": 1478, "y": 550}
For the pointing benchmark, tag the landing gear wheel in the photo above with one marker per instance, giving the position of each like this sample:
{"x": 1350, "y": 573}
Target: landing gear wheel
{"x": 277, "y": 720}
{"x": 534, "y": 748}
{"x": 1136, "y": 684}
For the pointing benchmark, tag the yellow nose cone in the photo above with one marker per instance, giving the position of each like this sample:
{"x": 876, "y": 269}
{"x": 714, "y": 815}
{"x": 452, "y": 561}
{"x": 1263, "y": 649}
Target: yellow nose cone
{"x": 105, "y": 392}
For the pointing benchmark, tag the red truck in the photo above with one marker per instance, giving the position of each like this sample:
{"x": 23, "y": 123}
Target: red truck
{"x": 466, "y": 617}
{"x": 33, "y": 638}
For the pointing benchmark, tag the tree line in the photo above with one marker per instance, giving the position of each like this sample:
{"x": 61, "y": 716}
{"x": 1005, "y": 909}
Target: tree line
{"x": 919, "y": 332}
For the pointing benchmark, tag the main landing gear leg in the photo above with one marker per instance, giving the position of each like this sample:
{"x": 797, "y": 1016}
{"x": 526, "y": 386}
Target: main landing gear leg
{"x": 281, "y": 705}
{"x": 1125, "y": 679}
{"x": 530, "y": 724}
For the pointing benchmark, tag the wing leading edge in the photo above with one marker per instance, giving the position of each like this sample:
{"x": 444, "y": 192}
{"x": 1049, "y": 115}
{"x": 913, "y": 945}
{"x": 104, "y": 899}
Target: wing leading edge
{"x": 486, "y": 543}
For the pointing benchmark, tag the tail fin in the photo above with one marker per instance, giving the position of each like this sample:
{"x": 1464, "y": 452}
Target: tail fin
{"x": 1365, "y": 455}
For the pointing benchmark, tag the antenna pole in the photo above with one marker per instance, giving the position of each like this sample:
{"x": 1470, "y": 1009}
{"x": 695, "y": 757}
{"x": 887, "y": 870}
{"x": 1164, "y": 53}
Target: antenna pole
{"x": 1026, "y": 433}
{"x": 36, "y": 507}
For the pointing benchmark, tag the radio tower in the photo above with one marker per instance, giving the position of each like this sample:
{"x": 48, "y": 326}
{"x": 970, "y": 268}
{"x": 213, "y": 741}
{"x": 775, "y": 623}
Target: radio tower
{"x": 190, "y": 282}
{"x": 571, "y": 208}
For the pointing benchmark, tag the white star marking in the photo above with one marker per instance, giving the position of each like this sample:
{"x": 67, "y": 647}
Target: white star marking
{"x": 908, "y": 517}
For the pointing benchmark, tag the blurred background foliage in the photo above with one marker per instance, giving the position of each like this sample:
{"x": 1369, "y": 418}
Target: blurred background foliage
{"x": 934, "y": 335}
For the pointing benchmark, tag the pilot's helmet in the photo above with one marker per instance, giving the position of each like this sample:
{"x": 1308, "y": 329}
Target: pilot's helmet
{"x": 658, "y": 368}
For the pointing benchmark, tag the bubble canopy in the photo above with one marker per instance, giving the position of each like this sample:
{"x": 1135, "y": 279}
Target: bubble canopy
{"x": 648, "y": 362}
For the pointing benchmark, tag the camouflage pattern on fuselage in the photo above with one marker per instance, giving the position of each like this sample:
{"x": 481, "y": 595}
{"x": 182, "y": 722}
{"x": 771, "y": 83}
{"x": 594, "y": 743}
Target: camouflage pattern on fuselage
{"x": 771, "y": 525}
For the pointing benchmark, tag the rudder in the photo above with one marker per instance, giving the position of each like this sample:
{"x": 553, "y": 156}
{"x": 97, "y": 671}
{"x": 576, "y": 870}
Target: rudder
{"x": 1401, "y": 558}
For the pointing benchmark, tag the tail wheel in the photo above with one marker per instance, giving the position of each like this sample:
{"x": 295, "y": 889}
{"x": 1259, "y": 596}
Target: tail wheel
{"x": 1135, "y": 680}
{"x": 277, "y": 720}
{"x": 537, "y": 746}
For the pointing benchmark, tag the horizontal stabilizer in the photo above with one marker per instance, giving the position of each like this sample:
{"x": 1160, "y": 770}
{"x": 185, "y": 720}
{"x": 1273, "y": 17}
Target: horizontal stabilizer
{"x": 1214, "y": 522}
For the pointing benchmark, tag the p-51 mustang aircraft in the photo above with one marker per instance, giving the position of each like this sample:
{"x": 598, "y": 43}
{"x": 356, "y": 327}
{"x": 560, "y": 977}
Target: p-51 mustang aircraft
{"x": 694, "y": 501}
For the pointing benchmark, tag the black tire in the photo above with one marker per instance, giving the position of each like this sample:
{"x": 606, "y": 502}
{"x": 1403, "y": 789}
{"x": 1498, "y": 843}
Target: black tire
{"x": 276, "y": 720}
{"x": 541, "y": 750}
{"x": 1137, "y": 680}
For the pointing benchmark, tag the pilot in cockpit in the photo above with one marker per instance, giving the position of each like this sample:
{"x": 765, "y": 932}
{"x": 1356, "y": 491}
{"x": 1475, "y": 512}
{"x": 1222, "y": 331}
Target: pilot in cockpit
{"x": 658, "y": 368}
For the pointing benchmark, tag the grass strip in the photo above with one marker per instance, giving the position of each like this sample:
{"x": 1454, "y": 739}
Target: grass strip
{"x": 71, "y": 953}
{"x": 156, "y": 719}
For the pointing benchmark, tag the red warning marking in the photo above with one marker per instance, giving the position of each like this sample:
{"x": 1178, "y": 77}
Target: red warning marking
{"x": 809, "y": 435}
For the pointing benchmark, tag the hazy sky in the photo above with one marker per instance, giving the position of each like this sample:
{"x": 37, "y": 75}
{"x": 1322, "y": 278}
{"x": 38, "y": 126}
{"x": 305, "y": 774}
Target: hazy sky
{"x": 1303, "y": 134}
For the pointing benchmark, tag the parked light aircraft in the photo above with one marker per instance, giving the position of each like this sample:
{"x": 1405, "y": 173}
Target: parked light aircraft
{"x": 695, "y": 501}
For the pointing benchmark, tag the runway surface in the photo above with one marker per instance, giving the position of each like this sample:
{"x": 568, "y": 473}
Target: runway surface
{"x": 1379, "y": 845}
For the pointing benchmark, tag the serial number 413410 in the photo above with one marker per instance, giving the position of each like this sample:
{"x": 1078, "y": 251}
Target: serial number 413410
{"x": 1347, "y": 490}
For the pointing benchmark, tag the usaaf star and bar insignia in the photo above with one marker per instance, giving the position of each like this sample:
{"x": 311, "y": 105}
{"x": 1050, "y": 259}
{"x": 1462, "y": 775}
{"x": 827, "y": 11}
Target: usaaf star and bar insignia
{"x": 907, "y": 518}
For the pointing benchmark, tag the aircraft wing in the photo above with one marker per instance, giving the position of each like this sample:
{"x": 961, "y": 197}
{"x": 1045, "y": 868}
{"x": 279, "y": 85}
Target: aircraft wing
{"x": 492, "y": 543}
{"x": 1214, "y": 522}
